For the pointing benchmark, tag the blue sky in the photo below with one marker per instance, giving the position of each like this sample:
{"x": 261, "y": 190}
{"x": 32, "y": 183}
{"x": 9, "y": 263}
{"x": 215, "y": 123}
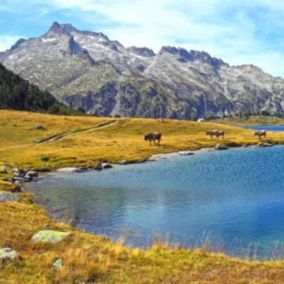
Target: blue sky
{"x": 239, "y": 32}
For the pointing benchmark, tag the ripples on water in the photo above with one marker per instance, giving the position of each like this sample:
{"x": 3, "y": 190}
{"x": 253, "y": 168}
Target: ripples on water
{"x": 231, "y": 201}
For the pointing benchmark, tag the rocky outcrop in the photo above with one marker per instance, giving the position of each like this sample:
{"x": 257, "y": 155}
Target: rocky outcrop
{"x": 7, "y": 255}
{"x": 87, "y": 70}
{"x": 49, "y": 236}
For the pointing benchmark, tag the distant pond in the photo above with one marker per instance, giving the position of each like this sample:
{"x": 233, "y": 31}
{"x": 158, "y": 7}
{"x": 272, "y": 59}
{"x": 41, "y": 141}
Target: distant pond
{"x": 230, "y": 201}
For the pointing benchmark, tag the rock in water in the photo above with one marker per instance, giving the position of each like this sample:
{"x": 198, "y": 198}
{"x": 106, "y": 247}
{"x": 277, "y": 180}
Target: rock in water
{"x": 30, "y": 175}
{"x": 7, "y": 254}
{"x": 7, "y": 196}
{"x": 49, "y": 236}
{"x": 106, "y": 166}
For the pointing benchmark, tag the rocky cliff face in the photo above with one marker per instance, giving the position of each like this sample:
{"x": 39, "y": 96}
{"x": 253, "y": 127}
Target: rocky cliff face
{"x": 88, "y": 70}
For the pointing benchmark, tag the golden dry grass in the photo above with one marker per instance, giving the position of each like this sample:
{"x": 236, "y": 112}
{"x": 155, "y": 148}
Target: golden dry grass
{"x": 88, "y": 258}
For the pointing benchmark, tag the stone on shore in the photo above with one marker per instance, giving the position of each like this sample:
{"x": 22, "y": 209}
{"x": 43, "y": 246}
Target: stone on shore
{"x": 221, "y": 147}
{"x": 4, "y": 169}
{"x": 69, "y": 170}
{"x": 186, "y": 153}
{"x": 31, "y": 175}
{"x": 49, "y": 236}
{"x": 261, "y": 144}
{"x": 8, "y": 254}
{"x": 106, "y": 166}
{"x": 7, "y": 196}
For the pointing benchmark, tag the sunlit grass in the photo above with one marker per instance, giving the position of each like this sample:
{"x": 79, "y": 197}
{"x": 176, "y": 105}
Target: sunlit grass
{"x": 88, "y": 258}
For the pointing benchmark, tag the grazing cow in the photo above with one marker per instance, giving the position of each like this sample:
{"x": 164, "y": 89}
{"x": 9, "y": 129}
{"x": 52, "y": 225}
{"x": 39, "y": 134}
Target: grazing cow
{"x": 260, "y": 134}
{"x": 155, "y": 137}
{"x": 216, "y": 133}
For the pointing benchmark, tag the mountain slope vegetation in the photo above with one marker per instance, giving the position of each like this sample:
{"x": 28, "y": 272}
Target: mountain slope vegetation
{"x": 18, "y": 94}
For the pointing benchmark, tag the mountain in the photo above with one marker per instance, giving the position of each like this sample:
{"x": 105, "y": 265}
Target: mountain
{"x": 18, "y": 94}
{"x": 88, "y": 70}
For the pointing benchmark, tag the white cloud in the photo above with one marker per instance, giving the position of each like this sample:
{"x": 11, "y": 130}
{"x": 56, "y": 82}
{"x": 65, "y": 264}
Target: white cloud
{"x": 6, "y": 41}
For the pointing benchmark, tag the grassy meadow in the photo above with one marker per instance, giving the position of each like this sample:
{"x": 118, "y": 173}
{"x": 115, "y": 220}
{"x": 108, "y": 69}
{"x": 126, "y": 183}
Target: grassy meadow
{"x": 83, "y": 141}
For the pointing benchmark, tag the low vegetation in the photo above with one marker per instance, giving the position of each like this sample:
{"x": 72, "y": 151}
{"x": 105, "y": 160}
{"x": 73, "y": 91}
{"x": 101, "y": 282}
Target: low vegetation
{"x": 42, "y": 141}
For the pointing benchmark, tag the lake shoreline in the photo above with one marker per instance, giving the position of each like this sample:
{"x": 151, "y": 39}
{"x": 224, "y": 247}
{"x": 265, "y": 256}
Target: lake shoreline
{"x": 157, "y": 157}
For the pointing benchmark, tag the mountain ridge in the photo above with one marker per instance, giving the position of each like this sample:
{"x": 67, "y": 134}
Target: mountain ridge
{"x": 88, "y": 70}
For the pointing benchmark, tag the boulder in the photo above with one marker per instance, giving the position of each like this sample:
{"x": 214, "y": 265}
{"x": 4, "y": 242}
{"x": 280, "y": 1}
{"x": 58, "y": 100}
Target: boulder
{"x": 69, "y": 170}
{"x": 265, "y": 144}
{"x": 18, "y": 179}
{"x": 4, "y": 169}
{"x": 124, "y": 162}
{"x": 49, "y": 236}
{"x": 7, "y": 196}
{"x": 106, "y": 166}
{"x": 8, "y": 254}
{"x": 221, "y": 147}
{"x": 186, "y": 153}
{"x": 58, "y": 263}
{"x": 31, "y": 175}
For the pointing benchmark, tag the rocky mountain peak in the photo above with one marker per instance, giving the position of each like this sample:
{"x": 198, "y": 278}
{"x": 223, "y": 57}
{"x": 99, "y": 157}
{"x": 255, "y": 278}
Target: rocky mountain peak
{"x": 141, "y": 51}
{"x": 61, "y": 28}
{"x": 184, "y": 56}
{"x": 86, "y": 69}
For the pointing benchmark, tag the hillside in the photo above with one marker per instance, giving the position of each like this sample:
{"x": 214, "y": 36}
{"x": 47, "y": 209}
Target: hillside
{"x": 18, "y": 94}
{"x": 83, "y": 141}
{"x": 88, "y": 70}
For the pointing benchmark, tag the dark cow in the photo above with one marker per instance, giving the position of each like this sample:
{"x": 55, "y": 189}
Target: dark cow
{"x": 216, "y": 133}
{"x": 260, "y": 134}
{"x": 153, "y": 137}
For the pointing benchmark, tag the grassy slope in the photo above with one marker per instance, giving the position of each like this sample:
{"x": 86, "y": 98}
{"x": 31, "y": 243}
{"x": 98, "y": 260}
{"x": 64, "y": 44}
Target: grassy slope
{"x": 90, "y": 258}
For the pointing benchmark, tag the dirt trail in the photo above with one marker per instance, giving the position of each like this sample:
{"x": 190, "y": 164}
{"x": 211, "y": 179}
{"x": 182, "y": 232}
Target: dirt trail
{"x": 61, "y": 135}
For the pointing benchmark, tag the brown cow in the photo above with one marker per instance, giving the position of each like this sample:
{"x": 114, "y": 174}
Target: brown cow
{"x": 153, "y": 137}
{"x": 216, "y": 133}
{"x": 260, "y": 134}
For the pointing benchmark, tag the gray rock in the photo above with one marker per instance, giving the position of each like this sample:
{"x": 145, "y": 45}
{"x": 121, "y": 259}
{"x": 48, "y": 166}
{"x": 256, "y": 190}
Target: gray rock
{"x": 4, "y": 169}
{"x": 69, "y": 170}
{"x": 186, "y": 153}
{"x": 58, "y": 263}
{"x": 265, "y": 144}
{"x": 49, "y": 236}
{"x": 18, "y": 179}
{"x": 124, "y": 162}
{"x": 221, "y": 147}
{"x": 7, "y": 196}
{"x": 8, "y": 254}
{"x": 31, "y": 175}
{"x": 106, "y": 166}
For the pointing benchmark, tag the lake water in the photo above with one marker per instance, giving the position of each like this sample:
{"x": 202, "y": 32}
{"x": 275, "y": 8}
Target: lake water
{"x": 231, "y": 201}
{"x": 266, "y": 127}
